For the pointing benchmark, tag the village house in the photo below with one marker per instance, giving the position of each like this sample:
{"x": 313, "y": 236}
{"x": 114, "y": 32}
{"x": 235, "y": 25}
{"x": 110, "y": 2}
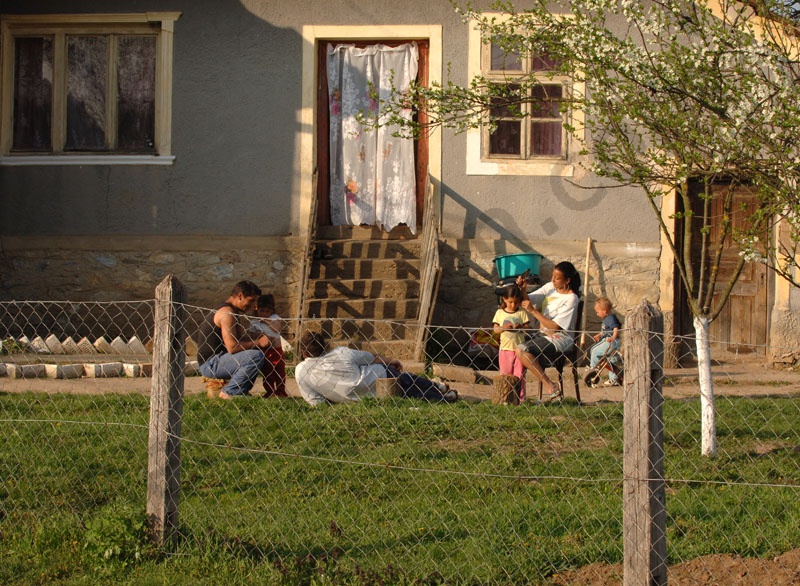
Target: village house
{"x": 206, "y": 139}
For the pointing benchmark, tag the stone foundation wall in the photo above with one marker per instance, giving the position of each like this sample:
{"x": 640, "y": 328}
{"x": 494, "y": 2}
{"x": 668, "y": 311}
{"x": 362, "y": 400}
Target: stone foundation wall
{"x": 626, "y": 273}
{"x": 785, "y": 338}
{"x": 129, "y": 268}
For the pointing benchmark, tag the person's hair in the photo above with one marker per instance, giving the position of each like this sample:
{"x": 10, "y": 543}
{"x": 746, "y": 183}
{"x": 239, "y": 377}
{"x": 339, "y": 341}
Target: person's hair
{"x": 266, "y": 301}
{"x": 246, "y": 288}
{"x": 512, "y": 292}
{"x": 604, "y": 303}
{"x": 570, "y": 273}
{"x": 313, "y": 344}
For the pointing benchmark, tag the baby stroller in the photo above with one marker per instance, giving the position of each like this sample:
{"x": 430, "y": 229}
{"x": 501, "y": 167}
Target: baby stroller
{"x": 611, "y": 361}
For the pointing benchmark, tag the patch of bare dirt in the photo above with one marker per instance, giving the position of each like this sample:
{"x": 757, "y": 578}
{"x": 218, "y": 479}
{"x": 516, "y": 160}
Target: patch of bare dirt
{"x": 719, "y": 570}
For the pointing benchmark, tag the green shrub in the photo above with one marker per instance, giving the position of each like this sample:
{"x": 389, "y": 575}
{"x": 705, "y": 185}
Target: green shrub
{"x": 118, "y": 534}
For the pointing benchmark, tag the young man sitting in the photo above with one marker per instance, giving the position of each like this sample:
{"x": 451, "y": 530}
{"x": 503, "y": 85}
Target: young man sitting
{"x": 226, "y": 350}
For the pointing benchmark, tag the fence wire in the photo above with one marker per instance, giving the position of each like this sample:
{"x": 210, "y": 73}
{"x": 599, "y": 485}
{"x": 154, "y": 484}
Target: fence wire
{"x": 393, "y": 489}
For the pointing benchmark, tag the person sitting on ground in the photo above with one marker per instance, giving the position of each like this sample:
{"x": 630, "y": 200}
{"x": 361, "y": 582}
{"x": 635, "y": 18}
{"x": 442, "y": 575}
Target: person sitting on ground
{"x": 554, "y": 305}
{"x": 226, "y": 350}
{"x": 270, "y": 324}
{"x": 607, "y": 341}
{"x": 344, "y": 375}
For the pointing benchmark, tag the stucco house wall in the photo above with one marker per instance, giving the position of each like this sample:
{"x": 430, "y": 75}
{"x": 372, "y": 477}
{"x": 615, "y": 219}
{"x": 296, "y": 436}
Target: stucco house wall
{"x": 234, "y": 203}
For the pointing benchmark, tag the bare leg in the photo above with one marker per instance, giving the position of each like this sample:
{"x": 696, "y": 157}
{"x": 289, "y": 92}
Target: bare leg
{"x": 529, "y": 361}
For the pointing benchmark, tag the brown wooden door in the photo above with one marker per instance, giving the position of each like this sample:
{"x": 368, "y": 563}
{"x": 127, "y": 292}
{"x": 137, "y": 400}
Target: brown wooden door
{"x": 323, "y": 127}
{"x": 743, "y": 323}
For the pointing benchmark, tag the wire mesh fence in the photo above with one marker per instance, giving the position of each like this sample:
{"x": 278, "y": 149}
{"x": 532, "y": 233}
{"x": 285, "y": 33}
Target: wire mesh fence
{"x": 383, "y": 490}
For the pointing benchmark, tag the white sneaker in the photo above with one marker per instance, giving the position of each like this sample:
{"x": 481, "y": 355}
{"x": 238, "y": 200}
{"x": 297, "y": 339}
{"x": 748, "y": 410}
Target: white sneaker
{"x": 611, "y": 383}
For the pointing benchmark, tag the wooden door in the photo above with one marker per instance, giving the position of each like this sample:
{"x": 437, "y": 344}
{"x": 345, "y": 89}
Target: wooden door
{"x": 742, "y": 325}
{"x": 323, "y": 127}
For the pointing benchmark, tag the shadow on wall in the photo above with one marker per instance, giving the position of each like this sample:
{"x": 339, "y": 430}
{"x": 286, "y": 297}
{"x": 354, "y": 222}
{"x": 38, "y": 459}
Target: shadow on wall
{"x": 466, "y": 293}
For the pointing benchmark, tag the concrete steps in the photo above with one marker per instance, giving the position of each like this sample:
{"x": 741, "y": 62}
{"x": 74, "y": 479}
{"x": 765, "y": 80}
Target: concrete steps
{"x": 369, "y": 290}
{"x": 378, "y": 249}
{"x": 370, "y": 233}
{"x": 401, "y": 349}
{"x": 364, "y": 329}
{"x": 381, "y": 308}
{"x": 366, "y": 288}
{"x": 356, "y": 268}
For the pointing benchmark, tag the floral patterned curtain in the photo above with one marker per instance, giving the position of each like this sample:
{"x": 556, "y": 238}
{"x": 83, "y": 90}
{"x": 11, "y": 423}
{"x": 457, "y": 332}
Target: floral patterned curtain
{"x": 372, "y": 176}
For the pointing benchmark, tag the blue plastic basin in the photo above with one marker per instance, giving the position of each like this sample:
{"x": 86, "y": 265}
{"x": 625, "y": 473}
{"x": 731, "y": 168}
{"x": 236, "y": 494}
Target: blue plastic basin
{"x": 511, "y": 265}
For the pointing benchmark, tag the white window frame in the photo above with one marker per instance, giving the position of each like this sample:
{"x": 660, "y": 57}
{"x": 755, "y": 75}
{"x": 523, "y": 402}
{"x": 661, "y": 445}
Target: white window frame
{"x": 510, "y": 77}
{"x": 478, "y": 160}
{"x": 60, "y": 25}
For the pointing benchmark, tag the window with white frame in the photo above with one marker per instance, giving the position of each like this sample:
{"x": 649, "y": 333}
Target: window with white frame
{"x": 525, "y": 129}
{"x": 526, "y": 121}
{"x": 87, "y": 85}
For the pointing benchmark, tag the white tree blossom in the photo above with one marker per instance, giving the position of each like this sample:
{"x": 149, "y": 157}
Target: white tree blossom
{"x": 676, "y": 91}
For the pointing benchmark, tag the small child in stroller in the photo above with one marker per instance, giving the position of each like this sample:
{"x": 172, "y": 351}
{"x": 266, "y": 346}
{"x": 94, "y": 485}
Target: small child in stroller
{"x": 605, "y": 354}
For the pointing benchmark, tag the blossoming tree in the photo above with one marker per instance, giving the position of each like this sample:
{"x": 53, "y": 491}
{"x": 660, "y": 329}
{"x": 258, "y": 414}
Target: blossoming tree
{"x": 677, "y": 92}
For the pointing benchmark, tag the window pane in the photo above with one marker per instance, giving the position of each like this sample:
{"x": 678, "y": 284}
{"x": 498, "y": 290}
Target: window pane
{"x": 502, "y": 61}
{"x": 546, "y": 138}
{"x": 505, "y": 140}
{"x": 543, "y": 63}
{"x": 136, "y": 105}
{"x": 507, "y": 105}
{"x": 87, "y": 80}
{"x": 33, "y": 92}
{"x": 545, "y": 100}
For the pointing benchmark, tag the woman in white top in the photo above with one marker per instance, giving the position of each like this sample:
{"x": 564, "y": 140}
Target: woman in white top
{"x": 554, "y": 305}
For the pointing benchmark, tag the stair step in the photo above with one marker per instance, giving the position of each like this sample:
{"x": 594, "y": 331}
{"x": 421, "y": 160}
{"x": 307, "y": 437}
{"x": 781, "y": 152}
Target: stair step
{"x": 364, "y": 233}
{"x": 364, "y": 308}
{"x": 365, "y": 289}
{"x": 372, "y": 275}
{"x": 352, "y": 268}
{"x": 401, "y": 349}
{"x": 364, "y": 329}
{"x": 374, "y": 249}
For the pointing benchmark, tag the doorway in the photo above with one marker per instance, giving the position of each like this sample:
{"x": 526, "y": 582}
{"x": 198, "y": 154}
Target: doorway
{"x": 743, "y": 324}
{"x": 323, "y": 126}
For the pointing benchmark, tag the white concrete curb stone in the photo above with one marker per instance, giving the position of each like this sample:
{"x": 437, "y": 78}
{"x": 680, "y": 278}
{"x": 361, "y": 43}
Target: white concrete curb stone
{"x": 107, "y": 369}
{"x": 64, "y": 370}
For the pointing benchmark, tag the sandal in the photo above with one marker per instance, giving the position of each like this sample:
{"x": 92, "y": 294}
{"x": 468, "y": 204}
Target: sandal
{"x": 557, "y": 394}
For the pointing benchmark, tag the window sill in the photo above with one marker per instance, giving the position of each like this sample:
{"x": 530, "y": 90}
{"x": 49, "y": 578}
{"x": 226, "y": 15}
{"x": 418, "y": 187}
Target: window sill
{"x": 530, "y": 168}
{"x": 47, "y": 160}
{"x": 540, "y": 168}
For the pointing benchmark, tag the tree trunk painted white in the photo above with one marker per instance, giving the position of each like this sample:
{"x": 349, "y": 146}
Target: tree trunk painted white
{"x": 708, "y": 440}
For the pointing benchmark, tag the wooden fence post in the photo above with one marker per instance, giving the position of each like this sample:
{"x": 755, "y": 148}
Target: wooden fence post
{"x": 643, "y": 502}
{"x": 166, "y": 404}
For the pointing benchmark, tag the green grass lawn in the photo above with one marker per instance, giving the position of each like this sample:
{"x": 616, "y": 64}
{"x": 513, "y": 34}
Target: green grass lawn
{"x": 390, "y": 492}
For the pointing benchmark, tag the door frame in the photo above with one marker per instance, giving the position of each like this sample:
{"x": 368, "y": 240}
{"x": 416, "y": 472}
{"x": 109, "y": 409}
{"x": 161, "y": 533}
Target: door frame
{"x": 314, "y": 38}
{"x": 323, "y": 126}
{"x": 683, "y": 324}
